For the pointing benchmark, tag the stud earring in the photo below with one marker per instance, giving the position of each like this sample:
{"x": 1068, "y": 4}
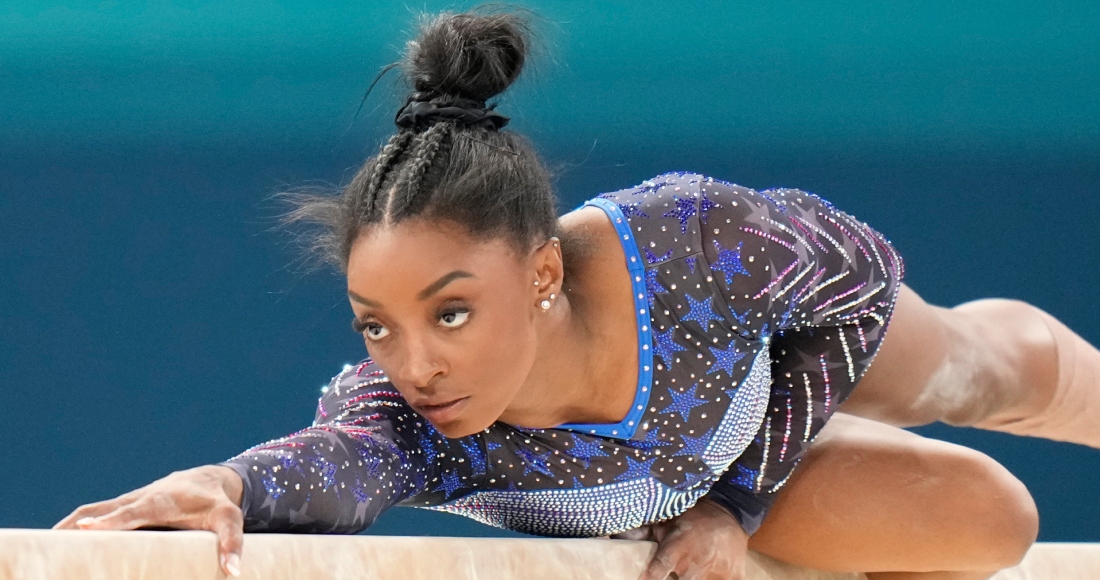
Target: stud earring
{"x": 545, "y": 304}
{"x": 536, "y": 282}
{"x": 553, "y": 296}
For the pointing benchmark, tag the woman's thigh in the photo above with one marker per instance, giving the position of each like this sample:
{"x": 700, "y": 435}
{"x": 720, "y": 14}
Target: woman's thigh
{"x": 870, "y": 497}
{"x": 959, "y": 365}
{"x": 914, "y": 349}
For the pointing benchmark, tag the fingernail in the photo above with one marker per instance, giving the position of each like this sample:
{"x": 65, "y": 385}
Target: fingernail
{"x": 85, "y": 521}
{"x": 233, "y": 564}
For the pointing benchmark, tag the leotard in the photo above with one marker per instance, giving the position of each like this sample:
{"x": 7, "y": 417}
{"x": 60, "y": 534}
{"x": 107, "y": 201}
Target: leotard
{"x": 757, "y": 314}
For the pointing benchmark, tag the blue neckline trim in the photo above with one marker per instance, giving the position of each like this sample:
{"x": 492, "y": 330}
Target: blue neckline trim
{"x": 626, "y": 428}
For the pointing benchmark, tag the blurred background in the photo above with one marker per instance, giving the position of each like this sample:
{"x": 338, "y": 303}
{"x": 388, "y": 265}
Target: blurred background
{"x": 151, "y": 320}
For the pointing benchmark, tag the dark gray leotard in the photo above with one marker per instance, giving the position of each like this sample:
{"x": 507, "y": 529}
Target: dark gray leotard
{"x": 757, "y": 314}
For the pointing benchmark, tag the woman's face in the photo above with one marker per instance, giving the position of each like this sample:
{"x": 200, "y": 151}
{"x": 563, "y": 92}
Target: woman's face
{"x": 448, "y": 318}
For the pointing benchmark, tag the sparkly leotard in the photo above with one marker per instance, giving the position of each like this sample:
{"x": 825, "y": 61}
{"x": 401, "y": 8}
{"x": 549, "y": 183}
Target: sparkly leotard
{"x": 757, "y": 313}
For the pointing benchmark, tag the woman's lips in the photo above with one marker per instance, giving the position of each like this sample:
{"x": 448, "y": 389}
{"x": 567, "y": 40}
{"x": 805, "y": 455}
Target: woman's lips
{"x": 442, "y": 413}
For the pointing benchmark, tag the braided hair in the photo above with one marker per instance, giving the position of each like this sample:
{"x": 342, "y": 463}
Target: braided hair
{"x": 491, "y": 182}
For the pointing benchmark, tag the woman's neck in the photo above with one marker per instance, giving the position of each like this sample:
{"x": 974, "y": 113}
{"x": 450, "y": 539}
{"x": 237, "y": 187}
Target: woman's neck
{"x": 586, "y": 369}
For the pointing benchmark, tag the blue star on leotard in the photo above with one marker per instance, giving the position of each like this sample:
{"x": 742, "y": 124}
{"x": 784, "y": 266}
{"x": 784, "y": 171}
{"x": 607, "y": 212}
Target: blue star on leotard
{"x": 746, "y": 477}
{"x": 371, "y": 461}
{"x": 427, "y": 447}
{"x": 636, "y": 469}
{"x": 359, "y": 491}
{"x": 685, "y": 208}
{"x": 742, "y": 318}
{"x": 705, "y": 206}
{"x": 419, "y": 479}
{"x": 683, "y": 403}
{"x": 289, "y": 463}
{"x": 666, "y": 347}
{"x": 652, "y": 285}
{"x": 328, "y": 472}
{"x": 729, "y": 262}
{"x": 450, "y": 483}
{"x": 780, "y": 206}
{"x": 654, "y": 258}
{"x": 691, "y": 478}
{"x": 585, "y": 450}
{"x": 474, "y": 455}
{"x": 652, "y": 441}
{"x": 700, "y": 311}
{"x": 694, "y": 446}
{"x": 631, "y": 209}
{"x": 534, "y": 461}
{"x": 786, "y": 316}
{"x": 725, "y": 358}
{"x": 650, "y": 186}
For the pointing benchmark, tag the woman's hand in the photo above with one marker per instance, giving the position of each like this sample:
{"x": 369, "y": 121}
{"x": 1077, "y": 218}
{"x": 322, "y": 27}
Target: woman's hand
{"x": 703, "y": 543}
{"x": 201, "y": 498}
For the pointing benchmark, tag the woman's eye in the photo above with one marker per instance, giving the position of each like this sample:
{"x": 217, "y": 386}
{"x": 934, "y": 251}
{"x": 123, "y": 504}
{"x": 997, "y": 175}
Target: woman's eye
{"x": 454, "y": 318}
{"x": 375, "y": 331}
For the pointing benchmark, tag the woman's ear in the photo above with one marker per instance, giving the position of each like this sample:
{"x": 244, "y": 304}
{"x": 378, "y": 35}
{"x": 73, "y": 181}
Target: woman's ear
{"x": 549, "y": 271}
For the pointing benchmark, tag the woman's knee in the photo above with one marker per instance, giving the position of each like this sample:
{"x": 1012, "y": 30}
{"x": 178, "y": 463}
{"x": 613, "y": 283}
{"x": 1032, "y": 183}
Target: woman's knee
{"x": 872, "y": 497}
{"x": 1008, "y": 520}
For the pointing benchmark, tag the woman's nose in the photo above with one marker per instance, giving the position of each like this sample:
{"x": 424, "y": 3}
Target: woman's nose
{"x": 421, "y": 366}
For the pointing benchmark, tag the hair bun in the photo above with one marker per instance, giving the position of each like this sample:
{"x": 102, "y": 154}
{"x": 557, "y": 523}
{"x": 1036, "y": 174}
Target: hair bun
{"x": 470, "y": 55}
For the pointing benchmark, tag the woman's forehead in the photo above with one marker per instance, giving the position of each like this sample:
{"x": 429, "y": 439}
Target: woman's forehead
{"x": 418, "y": 250}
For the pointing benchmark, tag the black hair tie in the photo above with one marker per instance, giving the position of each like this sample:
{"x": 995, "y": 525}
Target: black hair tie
{"x": 465, "y": 112}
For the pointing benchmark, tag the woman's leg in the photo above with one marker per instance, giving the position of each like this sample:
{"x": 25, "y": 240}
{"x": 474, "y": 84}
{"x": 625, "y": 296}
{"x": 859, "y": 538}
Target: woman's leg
{"x": 995, "y": 364}
{"x": 873, "y": 498}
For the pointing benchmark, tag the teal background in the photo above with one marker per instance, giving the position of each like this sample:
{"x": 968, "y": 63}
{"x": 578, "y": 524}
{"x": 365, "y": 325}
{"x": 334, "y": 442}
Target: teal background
{"x": 151, "y": 320}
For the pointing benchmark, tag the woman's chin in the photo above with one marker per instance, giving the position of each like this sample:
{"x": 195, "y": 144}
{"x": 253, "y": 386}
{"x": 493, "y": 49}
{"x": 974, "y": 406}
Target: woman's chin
{"x": 459, "y": 427}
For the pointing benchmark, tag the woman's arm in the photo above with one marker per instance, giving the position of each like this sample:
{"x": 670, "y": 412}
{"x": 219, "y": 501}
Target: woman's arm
{"x": 366, "y": 451}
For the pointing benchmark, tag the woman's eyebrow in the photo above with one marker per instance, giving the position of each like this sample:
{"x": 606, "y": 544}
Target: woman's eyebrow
{"x": 423, "y": 294}
{"x": 441, "y": 282}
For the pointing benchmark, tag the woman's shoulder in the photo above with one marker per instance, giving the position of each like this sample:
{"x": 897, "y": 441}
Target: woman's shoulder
{"x": 677, "y": 195}
{"x": 673, "y": 183}
{"x": 662, "y": 214}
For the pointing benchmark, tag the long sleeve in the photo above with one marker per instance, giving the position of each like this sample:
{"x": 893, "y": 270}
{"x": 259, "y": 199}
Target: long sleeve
{"x": 366, "y": 451}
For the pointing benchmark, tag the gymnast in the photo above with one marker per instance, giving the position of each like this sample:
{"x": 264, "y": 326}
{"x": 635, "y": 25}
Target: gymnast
{"x": 652, "y": 365}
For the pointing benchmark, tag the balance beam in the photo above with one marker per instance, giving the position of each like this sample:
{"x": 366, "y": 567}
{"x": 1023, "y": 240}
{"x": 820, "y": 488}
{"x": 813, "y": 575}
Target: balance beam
{"x": 192, "y": 555}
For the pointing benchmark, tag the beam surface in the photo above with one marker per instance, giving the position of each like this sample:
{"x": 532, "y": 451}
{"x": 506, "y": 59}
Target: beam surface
{"x": 191, "y": 555}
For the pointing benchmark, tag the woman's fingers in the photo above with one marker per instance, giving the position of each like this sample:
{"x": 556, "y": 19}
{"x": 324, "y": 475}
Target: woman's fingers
{"x": 703, "y": 543}
{"x": 127, "y": 517}
{"x": 200, "y": 498}
{"x": 660, "y": 567}
{"x": 669, "y": 559}
{"x": 91, "y": 510}
{"x": 227, "y": 521}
